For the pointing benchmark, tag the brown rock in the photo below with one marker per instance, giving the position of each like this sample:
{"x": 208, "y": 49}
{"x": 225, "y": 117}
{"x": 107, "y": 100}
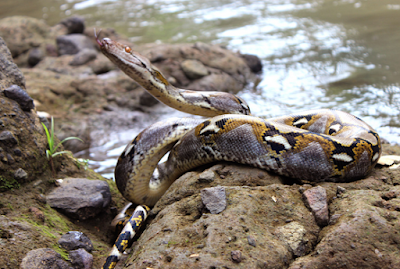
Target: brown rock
{"x": 316, "y": 199}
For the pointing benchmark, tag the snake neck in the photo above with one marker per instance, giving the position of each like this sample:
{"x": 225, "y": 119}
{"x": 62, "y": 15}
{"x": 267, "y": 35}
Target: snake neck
{"x": 139, "y": 68}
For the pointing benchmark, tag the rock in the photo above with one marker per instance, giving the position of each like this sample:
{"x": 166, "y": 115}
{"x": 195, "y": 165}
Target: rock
{"x": 80, "y": 198}
{"x": 216, "y": 82}
{"x": 147, "y": 100}
{"x": 315, "y": 198}
{"x": 73, "y": 43}
{"x": 37, "y": 214}
{"x": 43, "y": 258}
{"x": 293, "y": 234}
{"x": 9, "y": 72}
{"x": 218, "y": 69}
{"x": 75, "y": 240}
{"x": 81, "y": 259}
{"x": 194, "y": 69}
{"x": 236, "y": 256}
{"x": 17, "y": 94}
{"x": 365, "y": 236}
{"x": 253, "y": 62}
{"x": 23, "y": 33}
{"x": 35, "y": 56}
{"x": 7, "y": 138}
{"x": 214, "y": 199}
{"x": 252, "y": 241}
{"x": 20, "y": 174}
{"x": 83, "y": 57}
{"x": 74, "y": 25}
{"x": 207, "y": 176}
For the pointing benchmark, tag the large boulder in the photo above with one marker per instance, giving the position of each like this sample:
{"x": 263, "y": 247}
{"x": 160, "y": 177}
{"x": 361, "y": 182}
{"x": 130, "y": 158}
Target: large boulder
{"x": 22, "y": 138}
{"x": 267, "y": 224}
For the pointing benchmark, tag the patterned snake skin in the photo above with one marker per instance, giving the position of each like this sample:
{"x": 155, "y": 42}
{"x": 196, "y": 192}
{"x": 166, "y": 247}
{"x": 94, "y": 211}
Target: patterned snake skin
{"x": 318, "y": 145}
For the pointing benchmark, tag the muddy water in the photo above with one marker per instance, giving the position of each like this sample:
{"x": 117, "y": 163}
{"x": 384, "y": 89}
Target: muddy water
{"x": 316, "y": 54}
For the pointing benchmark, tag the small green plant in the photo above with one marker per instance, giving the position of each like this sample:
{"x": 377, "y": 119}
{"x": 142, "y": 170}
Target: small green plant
{"x": 82, "y": 162}
{"x": 52, "y": 151}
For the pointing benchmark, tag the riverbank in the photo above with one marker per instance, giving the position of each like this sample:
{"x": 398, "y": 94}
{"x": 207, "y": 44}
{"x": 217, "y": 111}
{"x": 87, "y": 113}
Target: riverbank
{"x": 267, "y": 223}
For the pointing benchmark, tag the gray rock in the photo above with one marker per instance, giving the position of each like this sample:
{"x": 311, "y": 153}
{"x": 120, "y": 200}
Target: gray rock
{"x": 252, "y": 241}
{"x": 75, "y": 240}
{"x": 253, "y": 62}
{"x": 74, "y": 25}
{"x": 146, "y": 99}
{"x": 81, "y": 259}
{"x": 20, "y": 174}
{"x": 8, "y": 138}
{"x": 316, "y": 199}
{"x": 35, "y": 56}
{"x": 84, "y": 56}
{"x": 194, "y": 69}
{"x": 9, "y": 72}
{"x": 43, "y": 258}
{"x": 214, "y": 199}
{"x": 74, "y": 43}
{"x": 207, "y": 176}
{"x": 80, "y": 198}
{"x": 17, "y": 94}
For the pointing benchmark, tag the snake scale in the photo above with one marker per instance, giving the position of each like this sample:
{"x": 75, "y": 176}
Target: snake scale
{"x": 318, "y": 145}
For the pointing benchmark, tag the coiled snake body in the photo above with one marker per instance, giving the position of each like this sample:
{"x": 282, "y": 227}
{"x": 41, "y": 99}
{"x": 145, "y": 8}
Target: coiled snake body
{"x": 315, "y": 145}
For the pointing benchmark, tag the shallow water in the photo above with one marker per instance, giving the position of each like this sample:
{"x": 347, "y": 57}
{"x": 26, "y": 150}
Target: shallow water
{"x": 316, "y": 54}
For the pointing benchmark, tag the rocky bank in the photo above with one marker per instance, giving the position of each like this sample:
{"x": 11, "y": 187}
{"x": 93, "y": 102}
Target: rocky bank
{"x": 219, "y": 216}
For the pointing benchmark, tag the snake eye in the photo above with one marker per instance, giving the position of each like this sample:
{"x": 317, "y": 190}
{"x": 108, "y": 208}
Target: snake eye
{"x": 128, "y": 49}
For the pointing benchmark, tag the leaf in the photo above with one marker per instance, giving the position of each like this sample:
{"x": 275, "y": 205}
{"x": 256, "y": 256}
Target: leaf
{"x": 61, "y": 152}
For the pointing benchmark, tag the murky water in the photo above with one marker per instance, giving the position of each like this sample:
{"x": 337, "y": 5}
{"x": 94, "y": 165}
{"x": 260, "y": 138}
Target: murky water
{"x": 316, "y": 54}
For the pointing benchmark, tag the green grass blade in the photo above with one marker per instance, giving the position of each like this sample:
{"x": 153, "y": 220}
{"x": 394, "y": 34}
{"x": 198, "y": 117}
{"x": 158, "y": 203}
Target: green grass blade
{"x": 61, "y": 152}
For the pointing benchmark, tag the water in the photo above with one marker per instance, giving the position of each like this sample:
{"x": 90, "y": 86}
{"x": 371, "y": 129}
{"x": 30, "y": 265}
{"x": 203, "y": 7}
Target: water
{"x": 316, "y": 54}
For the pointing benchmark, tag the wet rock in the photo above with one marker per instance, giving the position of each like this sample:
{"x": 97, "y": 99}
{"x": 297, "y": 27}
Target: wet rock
{"x": 253, "y": 62}
{"x": 194, "y": 69}
{"x": 226, "y": 70}
{"x": 293, "y": 234}
{"x": 75, "y": 240}
{"x": 147, "y": 100}
{"x": 80, "y": 198}
{"x": 316, "y": 199}
{"x": 20, "y": 174}
{"x": 43, "y": 258}
{"x": 83, "y": 57}
{"x": 17, "y": 94}
{"x": 74, "y": 25}
{"x": 216, "y": 82}
{"x": 81, "y": 259}
{"x": 35, "y": 56}
{"x": 73, "y": 43}
{"x": 214, "y": 199}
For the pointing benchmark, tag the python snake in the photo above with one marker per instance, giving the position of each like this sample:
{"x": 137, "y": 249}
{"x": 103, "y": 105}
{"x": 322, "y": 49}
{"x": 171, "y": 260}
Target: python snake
{"x": 316, "y": 145}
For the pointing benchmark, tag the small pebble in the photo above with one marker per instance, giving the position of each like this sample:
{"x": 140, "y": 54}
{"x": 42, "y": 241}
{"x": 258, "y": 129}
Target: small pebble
{"x": 236, "y": 256}
{"x": 251, "y": 241}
